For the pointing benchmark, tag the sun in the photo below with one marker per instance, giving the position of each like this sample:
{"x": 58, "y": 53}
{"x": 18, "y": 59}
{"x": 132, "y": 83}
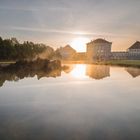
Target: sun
{"x": 79, "y": 44}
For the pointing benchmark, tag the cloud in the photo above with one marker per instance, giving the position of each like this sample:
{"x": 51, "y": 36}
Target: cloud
{"x": 56, "y": 31}
{"x": 80, "y": 33}
{"x": 62, "y": 19}
{"x": 17, "y": 9}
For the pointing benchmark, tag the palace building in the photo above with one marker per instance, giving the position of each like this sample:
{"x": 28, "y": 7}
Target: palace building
{"x": 134, "y": 51}
{"x": 100, "y": 50}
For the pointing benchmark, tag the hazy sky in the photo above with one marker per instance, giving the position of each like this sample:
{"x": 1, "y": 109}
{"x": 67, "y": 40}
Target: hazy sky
{"x": 58, "y": 22}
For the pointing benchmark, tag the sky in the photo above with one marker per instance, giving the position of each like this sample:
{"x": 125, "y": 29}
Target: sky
{"x": 58, "y": 22}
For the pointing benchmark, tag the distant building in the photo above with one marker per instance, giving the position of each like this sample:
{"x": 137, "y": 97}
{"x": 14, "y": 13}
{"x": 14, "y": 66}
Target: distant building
{"x": 135, "y": 48}
{"x": 67, "y": 52}
{"x": 80, "y": 56}
{"x": 98, "y": 49}
{"x": 47, "y": 54}
{"x": 119, "y": 55}
{"x": 134, "y": 51}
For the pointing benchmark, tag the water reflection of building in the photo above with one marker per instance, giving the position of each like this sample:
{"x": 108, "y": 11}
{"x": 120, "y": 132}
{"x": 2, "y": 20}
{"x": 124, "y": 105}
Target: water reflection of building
{"x": 93, "y": 71}
{"x": 134, "y": 72}
{"x": 68, "y": 68}
{"x": 98, "y": 71}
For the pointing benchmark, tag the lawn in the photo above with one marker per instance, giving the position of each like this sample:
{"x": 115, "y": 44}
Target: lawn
{"x": 127, "y": 63}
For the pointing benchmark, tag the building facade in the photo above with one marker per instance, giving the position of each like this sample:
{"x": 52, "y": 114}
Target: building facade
{"x": 67, "y": 52}
{"x": 134, "y": 51}
{"x": 98, "y": 49}
{"x": 119, "y": 55}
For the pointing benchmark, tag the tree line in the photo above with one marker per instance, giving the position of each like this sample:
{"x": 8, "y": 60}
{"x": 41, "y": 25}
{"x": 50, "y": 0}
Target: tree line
{"x": 11, "y": 49}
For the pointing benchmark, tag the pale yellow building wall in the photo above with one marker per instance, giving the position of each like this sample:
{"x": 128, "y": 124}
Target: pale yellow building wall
{"x": 98, "y": 50}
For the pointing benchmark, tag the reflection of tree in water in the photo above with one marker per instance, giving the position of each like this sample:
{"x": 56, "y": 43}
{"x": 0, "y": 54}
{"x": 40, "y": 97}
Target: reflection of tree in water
{"x": 134, "y": 72}
{"x": 98, "y": 71}
{"x": 22, "y": 69}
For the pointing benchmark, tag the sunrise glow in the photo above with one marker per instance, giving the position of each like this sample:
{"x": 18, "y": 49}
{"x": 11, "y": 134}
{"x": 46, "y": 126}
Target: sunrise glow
{"x": 79, "y": 44}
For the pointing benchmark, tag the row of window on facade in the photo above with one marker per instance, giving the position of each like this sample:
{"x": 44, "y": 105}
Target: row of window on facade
{"x": 101, "y": 49}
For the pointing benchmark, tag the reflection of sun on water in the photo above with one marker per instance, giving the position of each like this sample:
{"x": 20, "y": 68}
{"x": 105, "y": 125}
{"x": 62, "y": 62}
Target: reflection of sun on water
{"x": 79, "y": 71}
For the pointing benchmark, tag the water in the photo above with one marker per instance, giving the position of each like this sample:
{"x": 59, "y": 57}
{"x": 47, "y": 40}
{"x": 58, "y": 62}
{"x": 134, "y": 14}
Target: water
{"x": 83, "y": 102}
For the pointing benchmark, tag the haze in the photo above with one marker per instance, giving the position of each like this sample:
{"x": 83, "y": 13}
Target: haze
{"x": 59, "y": 22}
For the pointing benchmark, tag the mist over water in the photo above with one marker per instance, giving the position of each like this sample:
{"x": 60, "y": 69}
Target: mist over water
{"x": 83, "y": 102}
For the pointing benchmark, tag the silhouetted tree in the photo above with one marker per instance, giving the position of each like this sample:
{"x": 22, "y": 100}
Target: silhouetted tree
{"x": 11, "y": 49}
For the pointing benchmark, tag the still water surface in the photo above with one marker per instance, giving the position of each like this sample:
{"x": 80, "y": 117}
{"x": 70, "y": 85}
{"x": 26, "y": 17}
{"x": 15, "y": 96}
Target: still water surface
{"x": 83, "y": 102}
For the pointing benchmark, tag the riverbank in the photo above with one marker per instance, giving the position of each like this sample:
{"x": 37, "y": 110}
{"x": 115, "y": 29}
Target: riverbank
{"x": 125, "y": 63}
{"x": 6, "y": 63}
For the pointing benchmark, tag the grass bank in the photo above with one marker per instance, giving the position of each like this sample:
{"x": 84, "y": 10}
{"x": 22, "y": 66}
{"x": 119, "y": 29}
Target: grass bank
{"x": 6, "y": 63}
{"x": 126, "y": 63}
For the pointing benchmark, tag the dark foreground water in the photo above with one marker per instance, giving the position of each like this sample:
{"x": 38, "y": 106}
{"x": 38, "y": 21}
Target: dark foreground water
{"x": 83, "y": 102}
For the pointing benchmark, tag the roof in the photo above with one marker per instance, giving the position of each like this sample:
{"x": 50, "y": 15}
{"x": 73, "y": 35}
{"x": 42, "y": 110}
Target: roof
{"x": 99, "y": 40}
{"x": 67, "y": 48}
{"x": 136, "y": 45}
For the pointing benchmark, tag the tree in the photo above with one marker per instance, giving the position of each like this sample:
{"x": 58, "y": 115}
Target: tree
{"x": 11, "y": 49}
